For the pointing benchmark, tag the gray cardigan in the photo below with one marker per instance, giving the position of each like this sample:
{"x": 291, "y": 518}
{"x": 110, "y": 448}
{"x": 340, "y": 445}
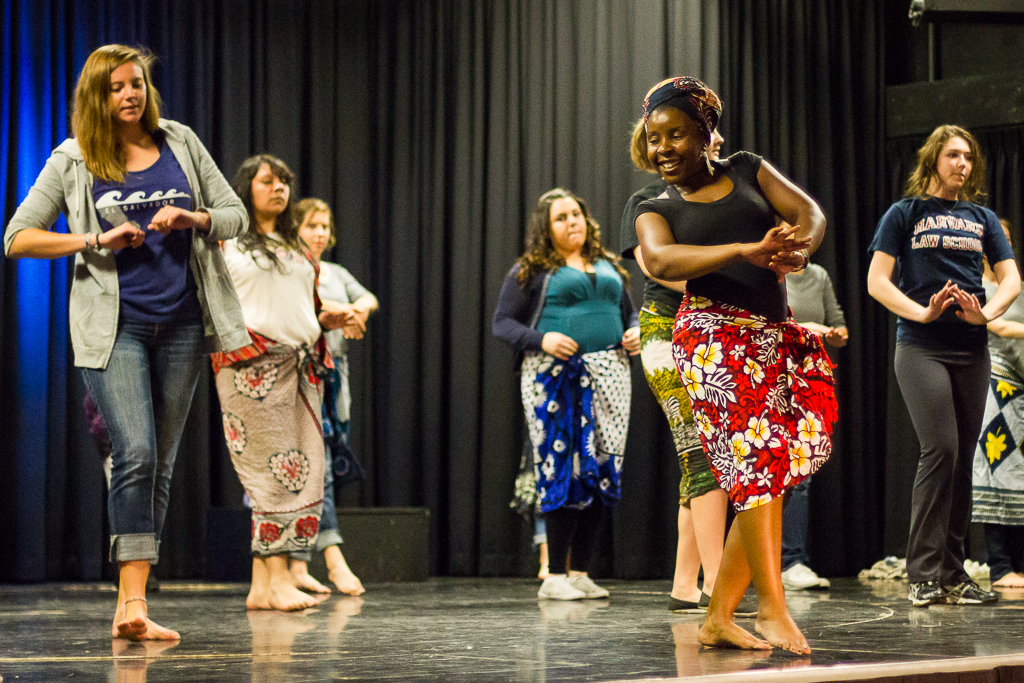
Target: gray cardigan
{"x": 65, "y": 186}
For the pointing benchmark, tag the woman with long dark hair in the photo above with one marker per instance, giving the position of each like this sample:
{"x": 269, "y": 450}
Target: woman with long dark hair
{"x": 146, "y": 207}
{"x": 565, "y": 309}
{"x": 271, "y": 391}
{"x": 939, "y": 237}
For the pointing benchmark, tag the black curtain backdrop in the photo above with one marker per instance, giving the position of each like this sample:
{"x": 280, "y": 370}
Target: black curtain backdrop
{"x": 1003, "y": 149}
{"x": 802, "y": 83}
{"x": 431, "y": 127}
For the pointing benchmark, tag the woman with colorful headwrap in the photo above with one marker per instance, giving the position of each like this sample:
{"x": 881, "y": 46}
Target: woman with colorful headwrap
{"x": 760, "y": 386}
{"x": 565, "y": 308}
{"x": 703, "y": 504}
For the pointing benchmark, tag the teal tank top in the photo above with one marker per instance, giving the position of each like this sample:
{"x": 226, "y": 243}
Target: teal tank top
{"x": 577, "y": 307}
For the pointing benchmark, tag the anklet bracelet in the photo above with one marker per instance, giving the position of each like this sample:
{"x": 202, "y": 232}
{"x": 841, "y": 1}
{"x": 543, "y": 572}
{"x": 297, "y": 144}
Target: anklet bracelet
{"x": 127, "y": 600}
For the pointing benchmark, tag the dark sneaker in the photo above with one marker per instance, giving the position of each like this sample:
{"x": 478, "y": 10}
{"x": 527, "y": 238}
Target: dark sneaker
{"x": 969, "y": 593}
{"x": 926, "y": 593}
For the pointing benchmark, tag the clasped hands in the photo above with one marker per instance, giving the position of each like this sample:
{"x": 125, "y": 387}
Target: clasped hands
{"x": 167, "y": 218}
{"x": 350, "y": 318}
{"x": 970, "y": 308}
{"x": 779, "y": 250}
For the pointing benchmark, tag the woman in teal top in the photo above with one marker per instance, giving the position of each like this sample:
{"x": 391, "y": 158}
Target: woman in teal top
{"x": 566, "y": 309}
{"x": 585, "y": 307}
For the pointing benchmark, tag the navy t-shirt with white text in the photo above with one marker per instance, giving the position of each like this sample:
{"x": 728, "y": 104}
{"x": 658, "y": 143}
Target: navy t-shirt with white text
{"x": 934, "y": 241}
{"x": 155, "y": 279}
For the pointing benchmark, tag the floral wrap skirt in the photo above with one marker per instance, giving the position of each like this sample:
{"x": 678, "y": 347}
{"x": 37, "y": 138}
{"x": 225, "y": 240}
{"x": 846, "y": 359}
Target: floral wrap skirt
{"x": 998, "y": 490}
{"x": 271, "y": 411}
{"x": 577, "y": 413}
{"x": 762, "y": 395}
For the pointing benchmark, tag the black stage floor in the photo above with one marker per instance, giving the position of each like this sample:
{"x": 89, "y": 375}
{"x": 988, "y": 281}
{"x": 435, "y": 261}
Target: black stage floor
{"x": 496, "y": 630}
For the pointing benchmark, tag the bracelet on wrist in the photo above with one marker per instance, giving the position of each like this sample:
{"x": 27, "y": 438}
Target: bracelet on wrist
{"x": 807, "y": 261}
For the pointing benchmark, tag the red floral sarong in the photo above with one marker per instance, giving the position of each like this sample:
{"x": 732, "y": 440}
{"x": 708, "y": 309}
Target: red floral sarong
{"x": 762, "y": 394}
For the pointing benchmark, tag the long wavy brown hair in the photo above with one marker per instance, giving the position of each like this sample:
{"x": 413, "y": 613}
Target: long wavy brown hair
{"x": 92, "y": 123}
{"x": 927, "y": 168}
{"x": 541, "y": 254}
{"x": 252, "y": 240}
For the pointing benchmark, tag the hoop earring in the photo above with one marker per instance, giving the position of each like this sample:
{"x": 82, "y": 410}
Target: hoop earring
{"x": 707, "y": 160}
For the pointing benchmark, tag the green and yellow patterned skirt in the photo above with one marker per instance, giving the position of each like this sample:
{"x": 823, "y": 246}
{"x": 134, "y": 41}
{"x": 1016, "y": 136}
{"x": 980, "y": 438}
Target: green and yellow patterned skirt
{"x": 663, "y": 378}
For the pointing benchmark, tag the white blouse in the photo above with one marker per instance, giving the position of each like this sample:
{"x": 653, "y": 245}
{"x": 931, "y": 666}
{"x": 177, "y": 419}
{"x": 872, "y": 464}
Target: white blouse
{"x": 278, "y": 305}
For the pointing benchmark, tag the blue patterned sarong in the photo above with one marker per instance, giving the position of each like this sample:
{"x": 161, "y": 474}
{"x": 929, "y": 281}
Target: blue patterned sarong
{"x": 570, "y": 468}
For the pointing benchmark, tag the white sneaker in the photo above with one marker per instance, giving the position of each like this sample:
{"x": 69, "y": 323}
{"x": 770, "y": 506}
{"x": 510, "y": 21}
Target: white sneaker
{"x": 589, "y": 588}
{"x": 800, "y": 577}
{"x": 557, "y": 587}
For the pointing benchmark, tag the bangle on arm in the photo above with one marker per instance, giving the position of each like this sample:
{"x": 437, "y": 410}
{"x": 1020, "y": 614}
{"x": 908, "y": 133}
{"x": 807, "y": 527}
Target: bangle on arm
{"x": 807, "y": 261}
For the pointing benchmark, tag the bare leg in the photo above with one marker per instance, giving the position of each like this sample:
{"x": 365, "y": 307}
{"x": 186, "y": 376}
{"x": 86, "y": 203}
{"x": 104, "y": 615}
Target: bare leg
{"x": 719, "y": 629}
{"x": 340, "y": 574}
{"x": 709, "y": 514}
{"x": 761, "y": 534}
{"x": 543, "y": 573}
{"x": 684, "y": 581}
{"x": 303, "y": 580}
{"x": 130, "y": 615}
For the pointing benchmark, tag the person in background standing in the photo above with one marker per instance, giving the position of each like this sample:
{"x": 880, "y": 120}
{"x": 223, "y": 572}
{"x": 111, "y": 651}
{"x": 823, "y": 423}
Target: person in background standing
{"x": 812, "y": 299}
{"x": 938, "y": 235}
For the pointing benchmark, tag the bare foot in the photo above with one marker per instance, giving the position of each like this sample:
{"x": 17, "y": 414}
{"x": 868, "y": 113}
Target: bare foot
{"x": 304, "y": 581}
{"x": 258, "y": 598}
{"x": 729, "y": 635}
{"x": 155, "y": 631}
{"x": 782, "y": 632}
{"x": 135, "y": 626}
{"x": 285, "y": 597}
{"x": 1011, "y": 580}
{"x": 346, "y": 581}
{"x": 130, "y": 620}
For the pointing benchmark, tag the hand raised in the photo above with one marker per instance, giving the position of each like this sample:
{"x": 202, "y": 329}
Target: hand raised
{"x": 939, "y": 302}
{"x": 777, "y": 242}
{"x": 172, "y": 218}
{"x": 124, "y": 235}
{"x": 970, "y": 307}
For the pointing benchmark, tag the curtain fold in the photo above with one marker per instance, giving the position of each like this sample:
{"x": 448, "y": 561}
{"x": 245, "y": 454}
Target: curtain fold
{"x": 802, "y": 85}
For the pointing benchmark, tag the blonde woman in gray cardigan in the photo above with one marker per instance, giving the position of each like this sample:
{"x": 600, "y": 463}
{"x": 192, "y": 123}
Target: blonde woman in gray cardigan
{"x": 146, "y": 207}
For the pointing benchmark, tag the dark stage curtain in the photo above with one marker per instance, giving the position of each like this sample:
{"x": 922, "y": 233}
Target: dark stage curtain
{"x": 802, "y": 85}
{"x": 431, "y": 127}
{"x": 1003, "y": 150}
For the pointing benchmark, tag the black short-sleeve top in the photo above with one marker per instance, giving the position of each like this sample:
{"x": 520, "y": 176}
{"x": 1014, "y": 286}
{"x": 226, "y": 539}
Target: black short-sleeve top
{"x": 743, "y": 215}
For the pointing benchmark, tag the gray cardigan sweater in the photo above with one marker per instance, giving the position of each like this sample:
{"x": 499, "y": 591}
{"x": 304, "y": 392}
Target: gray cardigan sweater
{"x": 65, "y": 186}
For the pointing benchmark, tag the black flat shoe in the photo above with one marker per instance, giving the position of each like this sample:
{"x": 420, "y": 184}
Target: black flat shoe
{"x": 688, "y": 607}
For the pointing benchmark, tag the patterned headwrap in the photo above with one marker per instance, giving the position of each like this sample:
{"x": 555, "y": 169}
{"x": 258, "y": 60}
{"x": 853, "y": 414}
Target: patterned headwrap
{"x": 690, "y": 96}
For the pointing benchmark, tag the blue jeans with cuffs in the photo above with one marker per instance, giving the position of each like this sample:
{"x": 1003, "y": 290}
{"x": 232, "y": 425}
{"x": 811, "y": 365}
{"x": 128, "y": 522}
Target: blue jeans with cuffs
{"x": 144, "y": 395}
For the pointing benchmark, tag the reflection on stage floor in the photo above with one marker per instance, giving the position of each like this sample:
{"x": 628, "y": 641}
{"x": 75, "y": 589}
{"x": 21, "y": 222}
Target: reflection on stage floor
{"x": 488, "y": 630}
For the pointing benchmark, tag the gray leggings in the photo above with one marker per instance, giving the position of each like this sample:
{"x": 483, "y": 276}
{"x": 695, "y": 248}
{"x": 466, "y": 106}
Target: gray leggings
{"x": 945, "y": 393}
